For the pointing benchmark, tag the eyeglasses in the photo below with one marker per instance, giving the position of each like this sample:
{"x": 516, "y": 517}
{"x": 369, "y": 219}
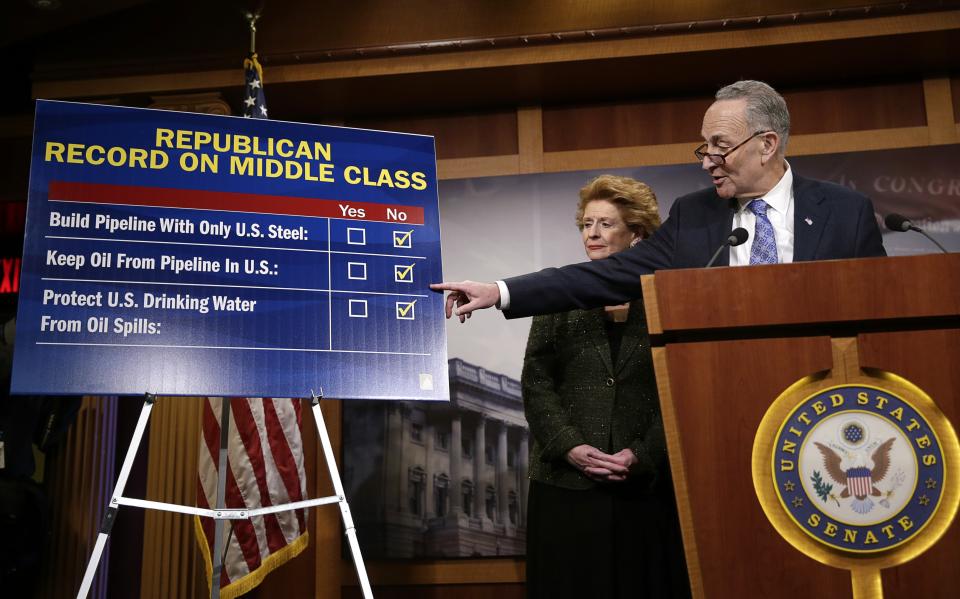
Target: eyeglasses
{"x": 721, "y": 159}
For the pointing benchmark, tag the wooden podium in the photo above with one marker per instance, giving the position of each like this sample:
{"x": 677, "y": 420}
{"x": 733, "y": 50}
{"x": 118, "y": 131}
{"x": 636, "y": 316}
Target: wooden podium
{"x": 728, "y": 341}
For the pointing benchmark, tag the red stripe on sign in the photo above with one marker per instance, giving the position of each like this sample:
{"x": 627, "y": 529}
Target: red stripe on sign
{"x": 196, "y": 199}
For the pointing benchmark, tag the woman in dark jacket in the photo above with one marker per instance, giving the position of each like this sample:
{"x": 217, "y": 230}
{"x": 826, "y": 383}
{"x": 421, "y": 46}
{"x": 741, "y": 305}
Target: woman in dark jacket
{"x": 601, "y": 518}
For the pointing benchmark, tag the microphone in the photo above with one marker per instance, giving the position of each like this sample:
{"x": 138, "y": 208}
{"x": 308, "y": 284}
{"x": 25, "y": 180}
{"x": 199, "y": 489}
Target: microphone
{"x": 734, "y": 238}
{"x": 899, "y": 223}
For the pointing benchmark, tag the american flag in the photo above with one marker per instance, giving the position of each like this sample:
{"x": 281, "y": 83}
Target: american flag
{"x": 254, "y": 102}
{"x": 265, "y": 459}
{"x": 265, "y": 462}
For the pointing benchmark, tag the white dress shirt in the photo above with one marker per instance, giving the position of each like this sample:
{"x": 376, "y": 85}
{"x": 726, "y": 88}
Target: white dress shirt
{"x": 504, "y": 296}
{"x": 780, "y": 212}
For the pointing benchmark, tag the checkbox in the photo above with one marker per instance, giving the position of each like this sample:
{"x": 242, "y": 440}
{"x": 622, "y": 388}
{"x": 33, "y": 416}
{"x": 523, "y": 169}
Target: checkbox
{"x": 403, "y": 239}
{"x": 356, "y": 236}
{"x": 405, "y": 310}
{"x": 403, "y": 273}
{"x": 357, "y": 308}
{"x": 357, "y": 271}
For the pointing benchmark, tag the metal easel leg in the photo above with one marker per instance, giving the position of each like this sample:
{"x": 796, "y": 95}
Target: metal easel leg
{"x": 111, "y": 514}
{"x": 349, "y": 528}
{"x": 221, "y": 498}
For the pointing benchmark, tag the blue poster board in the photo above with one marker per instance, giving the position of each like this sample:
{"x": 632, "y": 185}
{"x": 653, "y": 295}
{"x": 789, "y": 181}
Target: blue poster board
{"x": 187, "y": 254}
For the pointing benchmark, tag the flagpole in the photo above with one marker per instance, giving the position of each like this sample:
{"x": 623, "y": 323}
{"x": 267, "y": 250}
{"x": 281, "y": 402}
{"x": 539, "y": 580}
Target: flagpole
{"x": 218, "y": 541}
{"x": 252, "y": 19}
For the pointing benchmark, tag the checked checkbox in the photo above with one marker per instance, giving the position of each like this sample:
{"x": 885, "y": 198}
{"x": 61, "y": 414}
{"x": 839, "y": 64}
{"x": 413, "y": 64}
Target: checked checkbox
{"x": 403, "y": 239}
{"x": 405, "y": 310}
{"x": 403, "y": 273}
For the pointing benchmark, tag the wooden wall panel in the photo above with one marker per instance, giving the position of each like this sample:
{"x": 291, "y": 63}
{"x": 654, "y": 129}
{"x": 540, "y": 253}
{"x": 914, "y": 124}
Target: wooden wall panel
{"x": 955, "y": 92}
{"x": 126, "y": 537}
{"x": 677, "y": 120}
{"x": 880, "y": 106}
{"x": 458, "y": 136}
{"x": 938, "y": 101}
{"x": 171, "y": 566}
{"x": 213, "y": 33}
{"x": 81, "y": 476}
{"x": 442, "y": 591}
{"x": 617, "y": 125}
{"x": 481, "y": 570}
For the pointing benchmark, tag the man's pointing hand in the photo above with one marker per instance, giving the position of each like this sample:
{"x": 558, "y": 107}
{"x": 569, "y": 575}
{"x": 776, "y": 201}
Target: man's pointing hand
{"x": 467, "y": 296}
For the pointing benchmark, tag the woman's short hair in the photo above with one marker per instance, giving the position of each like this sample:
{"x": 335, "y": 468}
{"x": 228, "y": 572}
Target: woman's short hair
{"x": 635, "y": 201}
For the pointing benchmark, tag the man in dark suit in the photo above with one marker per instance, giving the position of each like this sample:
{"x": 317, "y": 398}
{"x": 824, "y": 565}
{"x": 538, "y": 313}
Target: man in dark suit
{"x": 788, "y": 218}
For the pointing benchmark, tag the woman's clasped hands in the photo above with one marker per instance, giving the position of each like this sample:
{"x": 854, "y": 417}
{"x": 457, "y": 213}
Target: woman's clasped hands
{"x": 601, "y": 466}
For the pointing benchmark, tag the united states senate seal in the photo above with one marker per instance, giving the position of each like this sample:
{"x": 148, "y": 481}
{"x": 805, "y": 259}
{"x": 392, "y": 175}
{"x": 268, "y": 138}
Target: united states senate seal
{"x": 858, "y": 468}
{"x": 853, "y": 470}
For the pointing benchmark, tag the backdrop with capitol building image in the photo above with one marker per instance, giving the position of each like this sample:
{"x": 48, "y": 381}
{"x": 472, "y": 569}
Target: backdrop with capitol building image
{"x": 449, "y": 480}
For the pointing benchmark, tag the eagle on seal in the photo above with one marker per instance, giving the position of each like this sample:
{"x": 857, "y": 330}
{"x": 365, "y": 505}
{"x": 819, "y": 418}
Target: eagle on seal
{"x": 858, "y": 480}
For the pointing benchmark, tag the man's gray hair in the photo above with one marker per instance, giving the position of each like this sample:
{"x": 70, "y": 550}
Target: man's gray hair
{"x": 766, "y": 109}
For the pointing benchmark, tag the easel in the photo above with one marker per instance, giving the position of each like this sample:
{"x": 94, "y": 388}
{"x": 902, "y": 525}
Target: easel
{"x": 220, "y": 513}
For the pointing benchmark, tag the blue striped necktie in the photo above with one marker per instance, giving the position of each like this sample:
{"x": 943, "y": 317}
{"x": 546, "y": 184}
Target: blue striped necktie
{"x": 764, "y": 248}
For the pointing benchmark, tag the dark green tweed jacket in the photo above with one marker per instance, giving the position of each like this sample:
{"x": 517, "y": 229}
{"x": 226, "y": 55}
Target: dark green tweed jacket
{"x": 573, "y": 394}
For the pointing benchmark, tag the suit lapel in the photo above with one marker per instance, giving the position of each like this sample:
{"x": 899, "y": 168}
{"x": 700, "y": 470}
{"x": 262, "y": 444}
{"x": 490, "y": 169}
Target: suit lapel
{"x": 809, "y": 219}
{"x": 719, "y": 225}
{"x": 635, "y": 329}
{"x": 593, "y": 327}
